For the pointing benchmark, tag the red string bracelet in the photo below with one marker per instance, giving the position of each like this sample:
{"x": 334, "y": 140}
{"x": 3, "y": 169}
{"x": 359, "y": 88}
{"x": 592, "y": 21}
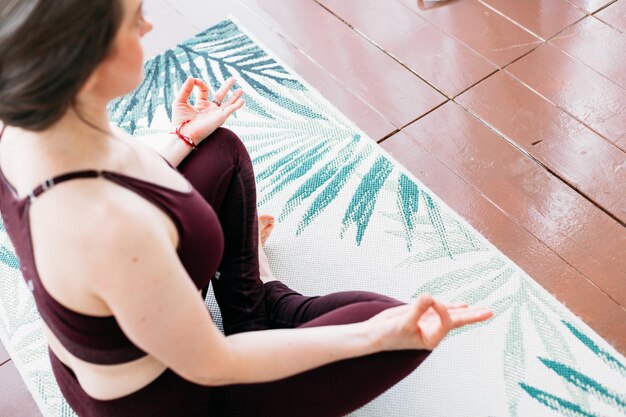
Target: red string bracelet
{"x": 186, "y": 139}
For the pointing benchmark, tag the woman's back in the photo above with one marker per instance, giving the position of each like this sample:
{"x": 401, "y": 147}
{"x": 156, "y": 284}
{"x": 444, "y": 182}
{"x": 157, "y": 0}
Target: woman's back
{"x": 79, "y": 325}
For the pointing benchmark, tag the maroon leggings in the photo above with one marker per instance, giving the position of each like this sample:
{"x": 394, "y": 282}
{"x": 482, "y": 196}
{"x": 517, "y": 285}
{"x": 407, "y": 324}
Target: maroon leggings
{"x": 221, "y": 170}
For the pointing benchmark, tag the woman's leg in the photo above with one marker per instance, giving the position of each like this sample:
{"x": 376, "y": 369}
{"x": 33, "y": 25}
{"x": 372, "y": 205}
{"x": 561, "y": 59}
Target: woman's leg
{"x": 331, "y": 390}
{"x": 221, "y": 170}
{"x": 287, "y": 308}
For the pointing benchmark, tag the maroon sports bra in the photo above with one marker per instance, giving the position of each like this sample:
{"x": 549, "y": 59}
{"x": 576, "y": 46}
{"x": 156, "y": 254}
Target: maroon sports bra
{"x": 100, "y": 340}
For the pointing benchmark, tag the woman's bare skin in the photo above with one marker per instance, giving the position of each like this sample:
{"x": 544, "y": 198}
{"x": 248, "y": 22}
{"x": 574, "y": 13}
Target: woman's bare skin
{"x": 266, "y": 225}
{"x": 141, "y": 372}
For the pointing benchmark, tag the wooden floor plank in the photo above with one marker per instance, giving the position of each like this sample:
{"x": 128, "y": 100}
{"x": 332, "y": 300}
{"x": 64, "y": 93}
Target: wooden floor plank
{"x": 544, "y": 18}
{"x": 577, "y": 155}
{"x": 365, "y": 70}
{"x": 491, "y": 35}
{"x": 559, "y": 278}
{"x": 436, "y": 57}
{"x": 576, "y": 88}
{"x": 580, "y": 233}
{"x": 598, "y": 45}
{"x": 590, "y": 6}
{"x": 614, "y": 15}
{"x": 171, "y": 28}
{"x": 15, "y": 399}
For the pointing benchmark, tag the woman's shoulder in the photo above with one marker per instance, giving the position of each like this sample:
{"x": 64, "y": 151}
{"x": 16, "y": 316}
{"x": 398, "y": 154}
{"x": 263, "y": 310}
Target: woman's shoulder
{"x": 81, "y": 210}
{"x": 79, "y": 235}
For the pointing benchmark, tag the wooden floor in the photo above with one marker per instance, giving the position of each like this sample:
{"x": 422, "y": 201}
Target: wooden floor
{"x": 513, "y": 112}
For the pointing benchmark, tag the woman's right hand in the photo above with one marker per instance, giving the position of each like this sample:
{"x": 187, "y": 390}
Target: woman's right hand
{"x": 206, "y": 115}
{"x": 422, "y": 324}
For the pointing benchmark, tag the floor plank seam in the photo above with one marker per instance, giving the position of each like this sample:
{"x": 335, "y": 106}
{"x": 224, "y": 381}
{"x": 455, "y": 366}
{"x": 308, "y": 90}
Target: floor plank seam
{"x": 523, "y": 55}
{"x": 294, "y": 45}
{"x": 510, "y": 20}
{"x": 425, "y": 114}
{"x": 454, "y": 37}
{"x": 585, "y": 11}
{"x": 371, "y": 41}
{"x": 602, "y": 8}
{"x": 567, "y": 27}
{"x": 584, "y": 123}
{"x": 475, "y": 84}
{"x": 584, "y": 63}
{"x": 542, "y": 165}
{"x": 387, "y": 136}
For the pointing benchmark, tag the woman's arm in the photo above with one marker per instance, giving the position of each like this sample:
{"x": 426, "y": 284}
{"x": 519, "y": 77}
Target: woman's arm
{"x": 132, "y": 266}
{"x": 274, "y": 354}
{"x": 421, "y": 325}
{"x": 170, "y": 146}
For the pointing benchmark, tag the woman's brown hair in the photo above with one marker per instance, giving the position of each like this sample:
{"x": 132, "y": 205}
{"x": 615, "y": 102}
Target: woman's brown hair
{"x": 48, "y": 50}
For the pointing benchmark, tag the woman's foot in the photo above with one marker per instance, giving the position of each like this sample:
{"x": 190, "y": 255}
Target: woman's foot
{"x": 266, "y": 224}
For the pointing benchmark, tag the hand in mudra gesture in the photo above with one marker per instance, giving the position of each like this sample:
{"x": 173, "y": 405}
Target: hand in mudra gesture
{"x": 205, "y": 116}
{"x": 423, "y": 324}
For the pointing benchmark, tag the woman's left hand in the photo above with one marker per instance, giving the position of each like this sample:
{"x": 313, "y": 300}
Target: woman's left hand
{"x": 206, "y": 116}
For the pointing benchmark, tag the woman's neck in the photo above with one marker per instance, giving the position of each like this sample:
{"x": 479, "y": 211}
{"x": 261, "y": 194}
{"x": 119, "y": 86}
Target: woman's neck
{"x": 83, "y": 130}
{"x": 81, "y": 124}
{"x": 70, "y": 141}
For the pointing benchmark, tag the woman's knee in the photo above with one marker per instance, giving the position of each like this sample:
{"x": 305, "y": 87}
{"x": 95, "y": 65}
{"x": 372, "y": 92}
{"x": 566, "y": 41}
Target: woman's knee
{"x": 227, "y": 140}
{"x": 220, "y": 151}
{"x": 352, "y": 313}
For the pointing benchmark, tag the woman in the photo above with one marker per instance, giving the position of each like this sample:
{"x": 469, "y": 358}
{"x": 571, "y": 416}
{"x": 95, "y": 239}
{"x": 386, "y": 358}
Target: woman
{"x": 115, "y": 244}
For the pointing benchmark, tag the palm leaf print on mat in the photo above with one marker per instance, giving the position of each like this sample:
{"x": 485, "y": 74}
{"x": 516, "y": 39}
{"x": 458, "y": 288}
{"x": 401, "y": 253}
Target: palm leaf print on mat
{"x": 216, "y": 55}
{"x": 298, "y": 143}
{"x": 580, "y": 381}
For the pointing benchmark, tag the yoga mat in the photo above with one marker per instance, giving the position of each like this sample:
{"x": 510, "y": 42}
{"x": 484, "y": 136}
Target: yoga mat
{"x": 350, "y": 217}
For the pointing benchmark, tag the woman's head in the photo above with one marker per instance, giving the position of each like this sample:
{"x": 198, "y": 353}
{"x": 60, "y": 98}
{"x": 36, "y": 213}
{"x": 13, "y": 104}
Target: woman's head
{"x": 53, "y": 54}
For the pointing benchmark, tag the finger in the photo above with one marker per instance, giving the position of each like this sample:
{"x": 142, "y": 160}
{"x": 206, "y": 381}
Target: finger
{"x": 185, "y": 91}
{"x": 463, "y": 310}
{"x": 470, "y": 316}
{"x": 462, "y": 317}
{"x": 203, "y": 94}
{"x": 442, "y": 330}
{"x": 454, "y": 305}
{"x": 230, "y": 109}
{"x": 233, "y": 98}
{"x": 444, "y": 315}
{"x": 221, "y": 93}
{"x": 422, "y": 304}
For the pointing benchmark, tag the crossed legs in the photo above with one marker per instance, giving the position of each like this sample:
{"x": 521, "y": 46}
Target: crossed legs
{"x": 221, "y": 170}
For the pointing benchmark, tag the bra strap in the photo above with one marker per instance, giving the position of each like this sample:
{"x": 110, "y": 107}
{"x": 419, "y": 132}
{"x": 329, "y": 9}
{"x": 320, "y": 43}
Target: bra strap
{"x": 49, "y": 183}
